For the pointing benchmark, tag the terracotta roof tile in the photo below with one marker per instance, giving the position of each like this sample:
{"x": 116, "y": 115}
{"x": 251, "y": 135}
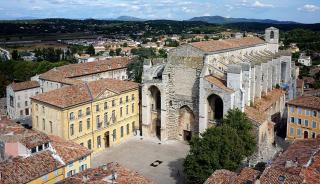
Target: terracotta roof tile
{"x": 59, "y": 74}
{"x": 69, "y": 151}
{"x": 219, "y": 83}
{"x": 257, "y": 112}
{"x": 23, "y": 170}
{"x": 311, "y": 102}
{"x": 100, "y": 175}
{"x": 24, "y": 85}
{"x": 12, "y": 132}
{"x": 81, "y": 93}
{"x": 247, "y": 174}
{"x": 221, "y": 177}
{"x": 218, "y": 45}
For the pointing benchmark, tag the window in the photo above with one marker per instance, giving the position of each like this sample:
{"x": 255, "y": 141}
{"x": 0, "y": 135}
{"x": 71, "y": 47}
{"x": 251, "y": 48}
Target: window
{"x": 113, "y": 116}
{"x": 127, "y": 99}
{"x": 271, "y": 35}
{"x": 50, "y": 123}
{"x": 299, "y": 121}
{"x": 88, "y": 111}
{"x": 314, "y": 124}
{"x": 71, "y": 116}
{"x": 44, "y": 178}
{"x": 314, "y": 113}
{"x": 98, "y": 122}
{"x": 120, "y": 111}
{"x": 132, "y": 97}
{"x": 21, "y": 112}
{"x": 26, "y": 103}
{"x": 128, "y": 129}
{"x": 298, "y": 132}
{"x": 43, "y": 109}
{"x": 113, "y": 103}
{"x": 18, "y": 104}
{"x": 97, "y": 108}
{"x": 105, "y": 105}
{"x": 306, "y": 122}
{"x": 114, "y": 135}
{"x": 80, "y": 126}
{"x": 99, "y": 141}
{"x": 56, "y": 173}
{"x": 299, "y": 110}
{"x": 81, "y": 144}
{"x": 46, "y": 145}
{"x": 11, "y": 101}
{"x": 127, "y": 109}
{"x": 43, "y": 124}
{"x": 313, "y": 135}
{"x": 33, "y": 150}
{"x": 40, "y": 148}
{"x": 308, "y": 112}
{"x": 37, "y": 121}
{"x": 120, "y": 101}
{"x": 37, "y": 108}
{"x": 106, "y": 124}
{"x": 27, "y": 112}
{"x": 88, "y": 123}
{"x": 133, "y": 126}
{"x": 89, "y": 144}
{"x": 292, "y": 120}
{"x": 71, "y": 129}
{"x": 121, "y": 131}
{"x": 292, "y": 109}
{"x": 291, "y": 131}
{"x": 79, "y": 113}
{"x": 132, "y": 108}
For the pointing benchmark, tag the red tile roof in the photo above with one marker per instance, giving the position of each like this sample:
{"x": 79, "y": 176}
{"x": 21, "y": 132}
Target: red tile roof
{"x": 85, "y": 92}
{"x": 310, "y": 102}
{"x": 60, "y": 74}
{"x": 218, "y": 45}
{"x": 101, "y": 174}
{"x": 219, "y": 83}
{"x": 12, "y": 132}
{"x": 227, "y": 177}
{"x": 257, "y": 112}
{"x": 24, "y": 85}
{"x": 23, "y": 170}
{"x": 69, "y": 151}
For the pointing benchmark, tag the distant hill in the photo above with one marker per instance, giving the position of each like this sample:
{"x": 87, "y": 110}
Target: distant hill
{"x": 224, "y": 20}
{"x": 129, "y": 18}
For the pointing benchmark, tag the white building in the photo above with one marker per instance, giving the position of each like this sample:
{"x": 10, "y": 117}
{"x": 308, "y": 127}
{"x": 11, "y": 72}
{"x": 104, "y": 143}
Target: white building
{"x": 18, "y": 98}
{"x": 305, "y": 60}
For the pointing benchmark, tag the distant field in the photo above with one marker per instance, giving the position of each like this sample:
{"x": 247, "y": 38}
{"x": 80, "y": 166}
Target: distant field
{"x": 32, "y": 46}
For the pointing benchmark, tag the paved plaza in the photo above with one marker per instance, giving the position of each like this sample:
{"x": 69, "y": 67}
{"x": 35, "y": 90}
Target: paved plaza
{"x": 138, "y": 154}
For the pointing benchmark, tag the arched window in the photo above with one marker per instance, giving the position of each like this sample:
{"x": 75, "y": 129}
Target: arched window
{"x": 271, "y": 35}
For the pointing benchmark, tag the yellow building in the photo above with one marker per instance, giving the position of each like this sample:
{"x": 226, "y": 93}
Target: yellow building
{"x": 303, "y": 118}
{"x": 97, "y": 114}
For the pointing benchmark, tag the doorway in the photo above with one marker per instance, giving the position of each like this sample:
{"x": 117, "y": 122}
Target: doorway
{"x": 107, "y": 139}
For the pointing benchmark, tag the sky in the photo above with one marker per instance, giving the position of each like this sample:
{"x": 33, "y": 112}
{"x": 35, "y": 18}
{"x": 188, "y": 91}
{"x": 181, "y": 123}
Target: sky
{"x": 305, "y": 11}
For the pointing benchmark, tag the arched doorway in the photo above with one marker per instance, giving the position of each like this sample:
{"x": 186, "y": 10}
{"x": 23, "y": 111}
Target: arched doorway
{"x": 186, "y": 123}
{"x": 215, "y": 109}
{"x": 155, "y": 107}
{"x": 272, "y": 35}
{"x": 306, "y": 134}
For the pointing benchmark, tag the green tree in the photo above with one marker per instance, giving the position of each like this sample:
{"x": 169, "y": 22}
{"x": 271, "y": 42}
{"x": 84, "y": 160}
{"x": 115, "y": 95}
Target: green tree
{"x": 90, "y": 50}
{"x": 162, "y": 53}
{"x": 111, "y": 53}
{"x": 135, "y": 70}
{"x": 222, "y": 147}
{"x": 144, "y": 53}
{"x": 118, "y": 51}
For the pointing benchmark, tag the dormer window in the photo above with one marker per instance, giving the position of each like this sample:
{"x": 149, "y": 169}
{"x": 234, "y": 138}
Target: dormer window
{"x": 46, "y": 145}
{"x": 33, "y": 150}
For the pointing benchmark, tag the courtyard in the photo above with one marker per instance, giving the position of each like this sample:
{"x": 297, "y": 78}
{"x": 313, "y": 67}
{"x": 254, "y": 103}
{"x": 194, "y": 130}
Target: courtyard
{"x": 161, "y": 162}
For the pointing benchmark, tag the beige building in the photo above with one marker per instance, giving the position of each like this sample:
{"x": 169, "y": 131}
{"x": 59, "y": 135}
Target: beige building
{"x": 97, "y": 114}
{"x": 115, "y": 68}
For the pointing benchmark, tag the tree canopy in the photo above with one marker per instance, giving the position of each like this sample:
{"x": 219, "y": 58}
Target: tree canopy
{"x": 222, "y": 147}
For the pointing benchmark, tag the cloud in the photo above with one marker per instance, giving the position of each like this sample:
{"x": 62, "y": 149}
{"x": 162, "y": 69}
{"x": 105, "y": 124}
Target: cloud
{"x": 36, "y": 8}
{"x": 309, "y": 8}
{"x": 259, "y": 4}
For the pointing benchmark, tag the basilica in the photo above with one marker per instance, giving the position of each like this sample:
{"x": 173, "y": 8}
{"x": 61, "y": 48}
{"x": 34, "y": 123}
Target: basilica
{"x": 199, "y": 82}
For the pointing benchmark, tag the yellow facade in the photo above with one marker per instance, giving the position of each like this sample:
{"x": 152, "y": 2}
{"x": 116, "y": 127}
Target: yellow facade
{"x": 302, "y": 123}
{"x": 77, "y": 166}
{"x": 50, "y": 178}
{"x": 107, "y": 121}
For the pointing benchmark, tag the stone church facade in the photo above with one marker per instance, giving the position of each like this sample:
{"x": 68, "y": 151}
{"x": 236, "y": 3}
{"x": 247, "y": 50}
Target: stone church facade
{"x": 199, "y": 82}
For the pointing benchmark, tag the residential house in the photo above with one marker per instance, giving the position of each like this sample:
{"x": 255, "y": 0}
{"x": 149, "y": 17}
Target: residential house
{"x": 97, "y": 114}
{"x": 303, "y": 118}
{"x": 305, "y": 60}
{"x": 33, "y": 157}
{"x": 18, "y": 98}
